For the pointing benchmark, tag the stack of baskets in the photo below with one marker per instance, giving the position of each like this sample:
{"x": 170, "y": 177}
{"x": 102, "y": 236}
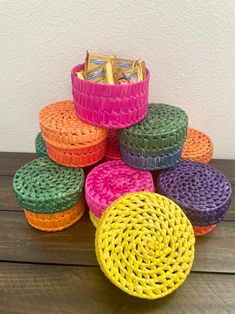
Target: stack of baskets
{"x": 144, "y": 241}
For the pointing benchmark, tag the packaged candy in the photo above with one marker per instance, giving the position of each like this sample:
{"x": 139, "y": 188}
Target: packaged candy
{"x": 133, "y": 74}
{"x": 109, "y": 73}
{"x": 123, "y": 64}
{"x": 97, "y": 75}
{"x": 142, "y": 68}
{"x": 94, "y": 60}
{"x": 81, "y": 75}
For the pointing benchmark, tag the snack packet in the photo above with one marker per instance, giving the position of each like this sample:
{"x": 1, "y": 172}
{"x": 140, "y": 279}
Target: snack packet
{"x": 81, "y": 75}
{"x": 94, "y": 60}
{"x": 123, "y": 64}
{"x": 142, "y": 67}
{"x": 102, "y": 74}
{"x": 97, "y": 75}
{"x": 133, "y": 74}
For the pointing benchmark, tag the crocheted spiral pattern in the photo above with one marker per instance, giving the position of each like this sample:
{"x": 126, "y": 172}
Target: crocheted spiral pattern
{"x": 93, "y": 219}
{"x": 164, "y": 129}
{"x": 145, "y": 245}
{"x": 197, "y": 147}
{"x": 43, "y": 186}
{"x": 57, "y": 221}
{"x": 113, "y": 145}
{"x": 200, "y": 190}
{"x": 62, "y": 128}
{"x": 150, "y": 161}
{"x": 40, "y": 146}
{"x": 110, "y": 180}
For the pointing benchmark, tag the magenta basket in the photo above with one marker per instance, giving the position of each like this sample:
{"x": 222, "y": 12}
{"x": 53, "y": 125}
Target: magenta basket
{"x": 112, "y": 179}
{"x": 110, "y": 106}
{"x": 113, "y": 145}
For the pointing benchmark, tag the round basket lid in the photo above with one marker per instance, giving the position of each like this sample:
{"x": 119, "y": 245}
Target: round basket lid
{"x": 62, "y": 128}
{"x": 200, "y": 190}
{"x": 43, "y": 186}
{"x": 164, "y": 129}
{"x": 145, "y": 245}
{"x": 110, "y": 180}
{"x": 197, "y": 147}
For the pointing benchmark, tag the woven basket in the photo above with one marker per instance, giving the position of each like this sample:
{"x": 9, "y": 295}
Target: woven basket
{"x": 200, "y": 230}
{"x": 145, "y": 245}
{"x": 150, "y": 161}
{"x": 112, "y": 179}
{"x": 57, "y": 221}
{"x": 42, "y": 186}
{"x": 163, "y": 130}
{"x": 110, "y": 106}
{"x": 200, "y": 190}
{"x": 82, "y": 157}
{"x": 113, "y": 145}
{"x": 40, "y": 146}
{"x": 197, "y": 147}
{"x": 63, "y": 130}
{"x": 93, "y": 219}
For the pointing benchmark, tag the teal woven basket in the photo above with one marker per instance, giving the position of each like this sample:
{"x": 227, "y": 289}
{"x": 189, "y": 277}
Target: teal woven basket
{"x": 163, "y": 130}
{"x": 40, "y": 146}
{"x": 42, "y": 186}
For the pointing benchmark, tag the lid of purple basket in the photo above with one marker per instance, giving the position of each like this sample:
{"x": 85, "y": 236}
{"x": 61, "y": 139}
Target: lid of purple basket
{"x": 202, "y": 191}
{"x": 112, "y": 179}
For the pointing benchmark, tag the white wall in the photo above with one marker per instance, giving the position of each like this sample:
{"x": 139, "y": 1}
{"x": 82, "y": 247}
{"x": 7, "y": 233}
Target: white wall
{"x": 189, "y": 47}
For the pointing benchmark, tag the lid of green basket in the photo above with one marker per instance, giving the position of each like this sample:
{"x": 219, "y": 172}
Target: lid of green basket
{"x": 44, "y": 186}
{"x": 164, "y": 128}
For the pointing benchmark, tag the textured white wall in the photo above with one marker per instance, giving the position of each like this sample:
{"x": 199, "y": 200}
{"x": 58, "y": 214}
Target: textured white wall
{"x": 189, "y": 47}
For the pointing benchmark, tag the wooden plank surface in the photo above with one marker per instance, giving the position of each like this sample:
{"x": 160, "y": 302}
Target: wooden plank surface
{"x": 75, "y": 246}
{"x": 59, "y": 289}
{"x": 11, "y": 162}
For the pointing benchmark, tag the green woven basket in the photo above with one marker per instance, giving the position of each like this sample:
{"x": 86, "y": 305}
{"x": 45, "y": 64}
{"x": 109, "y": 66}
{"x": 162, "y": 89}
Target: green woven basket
{"x": 42, "y": 186}
{"x": 40, "y": 146}
{"x": 164, "y": 129}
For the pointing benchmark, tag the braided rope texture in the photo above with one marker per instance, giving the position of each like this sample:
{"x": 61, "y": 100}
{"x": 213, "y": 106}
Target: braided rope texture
{"x": 113, "y": 145}
{"x": 150, "y": 161}
{"x": 110, "y": 106}
{"x": 81, "y": 157}
{"x": 197, "y": 147}
{"x": 203, "y": 230}
{"x": 42, "y": 186}
{"x": 40, "y": 146}
{"x": 61, "y": 128}
{"x": 110, "y": 180}
{"x": 200, "y": 190}
{"x": 163, "y": 130}
{"x": 57, "y": 221}
{"x": 145, "y": 245}
{"x": 93, "y": 219}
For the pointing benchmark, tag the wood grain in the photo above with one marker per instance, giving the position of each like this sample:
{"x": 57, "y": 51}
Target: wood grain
{"x": 75, "y": 246}
{"x": 59, "y": 289}
{"x": 10, "y": 162}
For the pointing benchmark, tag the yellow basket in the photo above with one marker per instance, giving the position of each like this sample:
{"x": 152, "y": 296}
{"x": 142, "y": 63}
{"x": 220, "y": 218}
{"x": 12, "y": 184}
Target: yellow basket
{"x": 93, "y": 219}
{"x": 145, "y": 244}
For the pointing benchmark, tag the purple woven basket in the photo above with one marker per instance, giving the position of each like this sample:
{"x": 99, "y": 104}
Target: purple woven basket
{"x": 200, "y": 190}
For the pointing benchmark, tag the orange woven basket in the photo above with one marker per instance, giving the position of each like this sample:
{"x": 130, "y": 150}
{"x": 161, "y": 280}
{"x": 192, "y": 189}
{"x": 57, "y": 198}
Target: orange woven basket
{"x": 203, "y": 230}
{"x": 197, "y": 147}
{"x": 71, "y": 141}
{"x": 58, "y": 221}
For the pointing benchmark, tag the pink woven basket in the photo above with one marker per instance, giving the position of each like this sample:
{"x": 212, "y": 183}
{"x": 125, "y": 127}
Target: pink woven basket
{"x": 112, "y": 179}
{"x": 110, "y": 106}
{"x": 113, "y": 145}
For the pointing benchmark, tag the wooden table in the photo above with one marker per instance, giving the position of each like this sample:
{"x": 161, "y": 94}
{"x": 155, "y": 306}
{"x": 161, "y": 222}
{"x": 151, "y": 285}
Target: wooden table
{"x": 58, "y": 272}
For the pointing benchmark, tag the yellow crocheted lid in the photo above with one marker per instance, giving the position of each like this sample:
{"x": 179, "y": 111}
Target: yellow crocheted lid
{"x": 93, "y": 219}
{"x": 145, "y": 245}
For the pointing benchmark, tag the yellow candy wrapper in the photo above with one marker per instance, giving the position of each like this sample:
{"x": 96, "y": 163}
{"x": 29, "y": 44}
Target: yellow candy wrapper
{"x": 133, "y": 75}
{"x": 94, "y": 60}
{"x": 97, "y": 75}
{"x": 81, "y": 75}
{"x": 123, "y": 64}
